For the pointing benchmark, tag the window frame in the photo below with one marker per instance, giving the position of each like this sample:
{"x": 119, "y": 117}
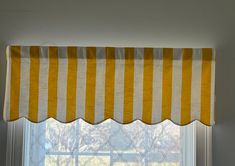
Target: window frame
{"x": 200, "y": 137}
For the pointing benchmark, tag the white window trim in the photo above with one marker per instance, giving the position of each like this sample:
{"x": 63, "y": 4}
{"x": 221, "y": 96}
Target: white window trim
{"x": 15, "y": 143}
{"x": 202, "y": 143}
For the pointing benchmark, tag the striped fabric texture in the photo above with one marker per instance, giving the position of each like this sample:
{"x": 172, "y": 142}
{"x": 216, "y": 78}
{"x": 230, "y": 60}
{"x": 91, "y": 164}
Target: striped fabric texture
{"x": 98, "y": 83}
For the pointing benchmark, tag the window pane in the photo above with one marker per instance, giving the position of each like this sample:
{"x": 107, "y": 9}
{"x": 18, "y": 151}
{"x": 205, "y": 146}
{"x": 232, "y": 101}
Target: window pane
{"x": 54, "y": 160}
{"x": 59, "y": 137}
{"x": 108, "y": 143}
{"x": 94, "y": 160}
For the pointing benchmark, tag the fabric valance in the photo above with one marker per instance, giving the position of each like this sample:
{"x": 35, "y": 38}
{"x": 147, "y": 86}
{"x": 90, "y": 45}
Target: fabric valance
{"x": 98, "y": 83}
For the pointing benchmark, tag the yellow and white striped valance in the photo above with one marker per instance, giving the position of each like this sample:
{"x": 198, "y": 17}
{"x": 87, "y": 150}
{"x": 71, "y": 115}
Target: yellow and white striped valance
{"x": 97, "y": 83}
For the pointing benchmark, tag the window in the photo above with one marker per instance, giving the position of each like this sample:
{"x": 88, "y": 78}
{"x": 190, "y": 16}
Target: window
{"x": 149, "y": 84}
{"x": 109, "y": 143}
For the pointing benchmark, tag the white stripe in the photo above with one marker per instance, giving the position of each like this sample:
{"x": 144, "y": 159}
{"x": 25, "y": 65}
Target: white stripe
{"x": 62, "y": 83}
{"x": 138, "y": 83}
{"x": 100, "y": 84}
{"x": 176, "y": 86}
{"x": 6, "y": 112}
{"x": 196, "y": 84}
{"x": 157, "y": 86}
{"x": 119, "y": 84}
{"x": 81, "y": 82}
{"x": 43, "y": 84}
{"x": 24, "y": 82}
{"x": 212, "y": 87}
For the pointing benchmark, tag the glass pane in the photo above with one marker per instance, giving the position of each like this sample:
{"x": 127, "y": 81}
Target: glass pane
{"x": 94, "y": 160}
{"x": 93, "y": 138}
{"x": 54, "y": 160}
{"x": 165, "y": 164}
{"x": 59, "y": 137}
{"x": 108, "y": 143}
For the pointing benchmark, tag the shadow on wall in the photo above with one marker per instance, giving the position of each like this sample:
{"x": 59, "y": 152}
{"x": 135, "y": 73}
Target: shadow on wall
{"x": 3, "y": 125}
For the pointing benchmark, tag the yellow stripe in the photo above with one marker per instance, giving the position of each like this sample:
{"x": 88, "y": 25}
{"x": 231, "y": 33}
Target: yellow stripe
{"x": 167, "y": 83}
{"x": 206, "y": 85}
{"x": 147, "y": 85}
{"x": 52, "y": 82}
{"x": 71, "y": 84}
{"x": 90, "y": 84}
{"x": 109, "y": 83}
{"x": 34, "y": 83}
{"x": 186, "y": 86}
{"x": 15, "y": 82}
{"x": 128, "y": 85}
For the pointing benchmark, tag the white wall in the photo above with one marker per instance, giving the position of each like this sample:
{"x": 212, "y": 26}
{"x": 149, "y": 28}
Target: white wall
{"x": 158, "y": 23}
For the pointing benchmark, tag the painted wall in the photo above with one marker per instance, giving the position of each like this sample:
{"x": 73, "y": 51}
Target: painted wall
{"x": 162, "y": 23}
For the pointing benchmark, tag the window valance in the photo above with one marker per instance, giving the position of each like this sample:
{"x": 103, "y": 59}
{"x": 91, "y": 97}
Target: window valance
{"x": 97, "y": 83}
